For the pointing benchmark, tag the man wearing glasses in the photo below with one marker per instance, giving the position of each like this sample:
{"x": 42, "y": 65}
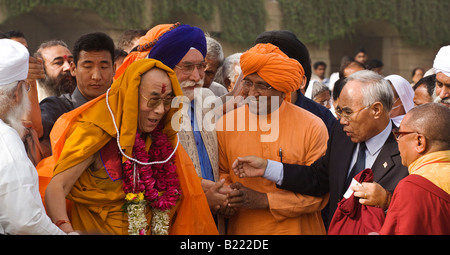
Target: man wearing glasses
{"x": 421, "y": 201}
{"x": 363, "y": 139}
{"x": 184, "y": 49}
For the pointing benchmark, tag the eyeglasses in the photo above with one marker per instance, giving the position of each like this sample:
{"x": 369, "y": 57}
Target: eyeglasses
{"x": 398, "y": 134}
{"x": 347, "y": 112}
{"x": 26, "y": 84}
{"x": 260, "y": 87}
{"x": 189, "y": 68}
{"x": 156, "y": 101}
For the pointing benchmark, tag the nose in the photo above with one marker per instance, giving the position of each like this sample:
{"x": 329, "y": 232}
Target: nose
{"x": 196, "y": 75}
{"x": 343, "y": 121}
{"x": 66, "y": 66}
{"x": 160, "y": 109}
{"x": 96, "y": 74}
{"x": 445, "y": 92}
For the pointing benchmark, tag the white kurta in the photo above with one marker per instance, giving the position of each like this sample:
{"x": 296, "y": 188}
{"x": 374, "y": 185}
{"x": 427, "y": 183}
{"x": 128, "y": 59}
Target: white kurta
{"x": 21, "y": 208}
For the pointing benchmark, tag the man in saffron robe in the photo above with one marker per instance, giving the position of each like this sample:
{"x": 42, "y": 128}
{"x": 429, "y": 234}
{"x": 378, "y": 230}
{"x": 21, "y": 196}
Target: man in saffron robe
{"x": 262, "y": 208}
{"x": 421, "y": 201}
{"x": 88, "y": 166}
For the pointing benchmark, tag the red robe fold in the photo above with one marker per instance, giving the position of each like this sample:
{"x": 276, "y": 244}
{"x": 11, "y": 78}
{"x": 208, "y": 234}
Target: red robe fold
{"x": 418, "y": 207}
{"x": 353, "y": 218}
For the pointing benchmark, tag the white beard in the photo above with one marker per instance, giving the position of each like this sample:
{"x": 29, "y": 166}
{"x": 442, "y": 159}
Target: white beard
{"x": 15, "y": 115}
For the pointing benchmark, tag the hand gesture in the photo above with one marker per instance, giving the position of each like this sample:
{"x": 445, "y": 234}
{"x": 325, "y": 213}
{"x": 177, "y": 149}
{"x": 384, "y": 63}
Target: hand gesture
{"x": 249, "y": 166}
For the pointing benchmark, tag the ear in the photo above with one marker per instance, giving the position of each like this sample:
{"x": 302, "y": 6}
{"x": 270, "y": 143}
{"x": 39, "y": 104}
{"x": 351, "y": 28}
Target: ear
{"x": 18, "y": 93}
{"x": 303, "y": 83}
{"x": 73, "y": 69}
{"x": 421, "y": 144}
{"x": 377, "y": 110}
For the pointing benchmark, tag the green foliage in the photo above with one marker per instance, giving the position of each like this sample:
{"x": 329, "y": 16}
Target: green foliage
{"x": 422, "y": 23}
{"x": 241, "y": 20}
{"x": 124, "y": 13}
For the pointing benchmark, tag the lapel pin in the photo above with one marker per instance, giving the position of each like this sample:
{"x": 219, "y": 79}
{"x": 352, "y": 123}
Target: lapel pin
{"x": 385, "y": 164}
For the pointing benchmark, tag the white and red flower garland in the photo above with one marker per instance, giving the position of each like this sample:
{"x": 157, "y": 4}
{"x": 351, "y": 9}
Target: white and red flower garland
{"x": 156, "y": 185}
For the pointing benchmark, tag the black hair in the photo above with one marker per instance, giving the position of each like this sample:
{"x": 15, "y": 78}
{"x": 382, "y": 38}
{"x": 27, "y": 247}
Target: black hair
{"x": 290, "y": 45}
{"x": 338, "y": 85}
{"x": 319, "y": 63}
{"x": 14, "y": 34}
{"x": 429, "y": 82}
{"x": 97, "y": 41}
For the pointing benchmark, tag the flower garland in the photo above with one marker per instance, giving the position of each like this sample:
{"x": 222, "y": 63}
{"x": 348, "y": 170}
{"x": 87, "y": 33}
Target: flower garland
{"x": 156, "y": 185}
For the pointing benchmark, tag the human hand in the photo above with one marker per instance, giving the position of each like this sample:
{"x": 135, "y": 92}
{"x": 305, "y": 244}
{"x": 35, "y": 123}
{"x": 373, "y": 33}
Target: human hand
{"x": 35, "y": 69}
{"x": 243, "y": 197}
{"x": 371, "y": 194}
{"x": 249, "y": 166}
{"x": 216, "y": 194}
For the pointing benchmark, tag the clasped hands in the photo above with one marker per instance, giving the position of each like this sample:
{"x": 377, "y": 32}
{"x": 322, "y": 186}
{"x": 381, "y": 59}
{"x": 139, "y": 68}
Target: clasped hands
{"x": 369, "y": 193}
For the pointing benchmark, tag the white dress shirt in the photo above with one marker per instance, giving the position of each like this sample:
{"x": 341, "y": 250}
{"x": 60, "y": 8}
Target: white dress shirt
{"x": 21, "y": 208}
{"x": 274, "y": 169}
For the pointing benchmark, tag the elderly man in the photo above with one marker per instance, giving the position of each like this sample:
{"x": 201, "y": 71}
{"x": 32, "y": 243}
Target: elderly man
{"x": 442, "y": 68}
{"x": 362, "y": 140}
{"x": 262, "y": 208}
{"x": 58, "y": 80}
{"x": 214, "y": 60}
{"x": 21, "y": 208}
{"x": 421, "y": 201}
{"x": 184, "y": 49}
{"x": 120, "y": 149}
{"x": 92, "y": 65}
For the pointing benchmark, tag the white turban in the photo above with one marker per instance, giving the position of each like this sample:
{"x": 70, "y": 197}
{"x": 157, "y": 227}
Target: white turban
{"x": 13, "y": 61}
{"x": 442, "y": 61}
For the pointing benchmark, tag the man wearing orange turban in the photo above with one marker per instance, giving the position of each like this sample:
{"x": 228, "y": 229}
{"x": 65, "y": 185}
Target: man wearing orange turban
{"x": 276, "y": 68}
{"x": 276, "y": 129}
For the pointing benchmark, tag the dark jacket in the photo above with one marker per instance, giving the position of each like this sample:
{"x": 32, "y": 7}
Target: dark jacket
{"x": 329, "y": 173}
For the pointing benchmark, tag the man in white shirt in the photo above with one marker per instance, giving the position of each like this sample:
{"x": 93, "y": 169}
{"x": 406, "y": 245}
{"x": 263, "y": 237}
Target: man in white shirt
{"x": 21, "y": 208}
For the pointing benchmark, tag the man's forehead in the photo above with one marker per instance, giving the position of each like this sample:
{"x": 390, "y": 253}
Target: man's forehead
{"x": 55, "y": 51}
{"x": 442, "y": 78}
{"x": 193, "y": 56}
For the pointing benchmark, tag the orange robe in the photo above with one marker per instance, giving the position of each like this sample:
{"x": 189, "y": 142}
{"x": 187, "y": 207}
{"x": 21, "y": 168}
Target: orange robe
{"x": 303, "y": 139}
{"x": 97, "y": 203}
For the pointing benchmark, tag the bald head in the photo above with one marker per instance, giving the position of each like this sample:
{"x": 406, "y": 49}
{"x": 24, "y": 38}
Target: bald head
{"x": 433, "y": 121}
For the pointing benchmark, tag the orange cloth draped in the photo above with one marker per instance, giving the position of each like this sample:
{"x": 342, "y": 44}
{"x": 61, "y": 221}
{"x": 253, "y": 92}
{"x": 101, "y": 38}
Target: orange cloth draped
{"x": 145, "y": 44}
{"x": 276, "y": 68}
{"x": 288, "y": 213}
{"x": 84, "y": 131}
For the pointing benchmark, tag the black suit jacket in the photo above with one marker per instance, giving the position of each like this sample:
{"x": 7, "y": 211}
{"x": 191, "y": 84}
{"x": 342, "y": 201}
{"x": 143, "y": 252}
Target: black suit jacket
{"x": 328, "y": 174}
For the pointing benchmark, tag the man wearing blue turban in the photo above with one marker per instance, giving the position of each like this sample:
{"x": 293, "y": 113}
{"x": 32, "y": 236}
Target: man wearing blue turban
{"x": 184, "y": 49}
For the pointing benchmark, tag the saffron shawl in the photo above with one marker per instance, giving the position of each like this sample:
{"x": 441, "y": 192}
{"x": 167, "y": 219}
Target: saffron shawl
{"x": 80, "y": 133}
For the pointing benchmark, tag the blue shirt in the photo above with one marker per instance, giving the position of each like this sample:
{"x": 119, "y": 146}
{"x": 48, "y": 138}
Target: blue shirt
{"x": 205, "y": 164}
{"x": 274, "y": 170}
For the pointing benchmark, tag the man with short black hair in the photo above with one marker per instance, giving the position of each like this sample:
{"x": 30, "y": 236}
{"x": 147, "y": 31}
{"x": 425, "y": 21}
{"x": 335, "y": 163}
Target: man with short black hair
{"x": 92, "y": 66}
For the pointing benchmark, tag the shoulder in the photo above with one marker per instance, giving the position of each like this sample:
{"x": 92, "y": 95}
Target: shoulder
{"x": 218, "y": 89}
{"x": 12, "y": 147}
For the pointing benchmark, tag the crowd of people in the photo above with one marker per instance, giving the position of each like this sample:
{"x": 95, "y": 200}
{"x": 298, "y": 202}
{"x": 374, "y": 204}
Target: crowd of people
{"x": 163, "y": 134}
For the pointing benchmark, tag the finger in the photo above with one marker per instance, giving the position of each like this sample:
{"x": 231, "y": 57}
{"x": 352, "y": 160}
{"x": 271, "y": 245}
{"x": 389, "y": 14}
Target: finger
{"x": 218, "y": 185}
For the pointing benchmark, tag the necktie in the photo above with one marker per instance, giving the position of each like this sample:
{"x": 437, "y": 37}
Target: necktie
{"x": 359, "y": 165}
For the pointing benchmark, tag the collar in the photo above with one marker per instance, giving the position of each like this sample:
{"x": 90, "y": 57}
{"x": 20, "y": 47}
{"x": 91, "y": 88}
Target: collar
{"x": 77, "y": 98}
{"x": 375, "y": 143}
{"x": 437, "y": 156}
